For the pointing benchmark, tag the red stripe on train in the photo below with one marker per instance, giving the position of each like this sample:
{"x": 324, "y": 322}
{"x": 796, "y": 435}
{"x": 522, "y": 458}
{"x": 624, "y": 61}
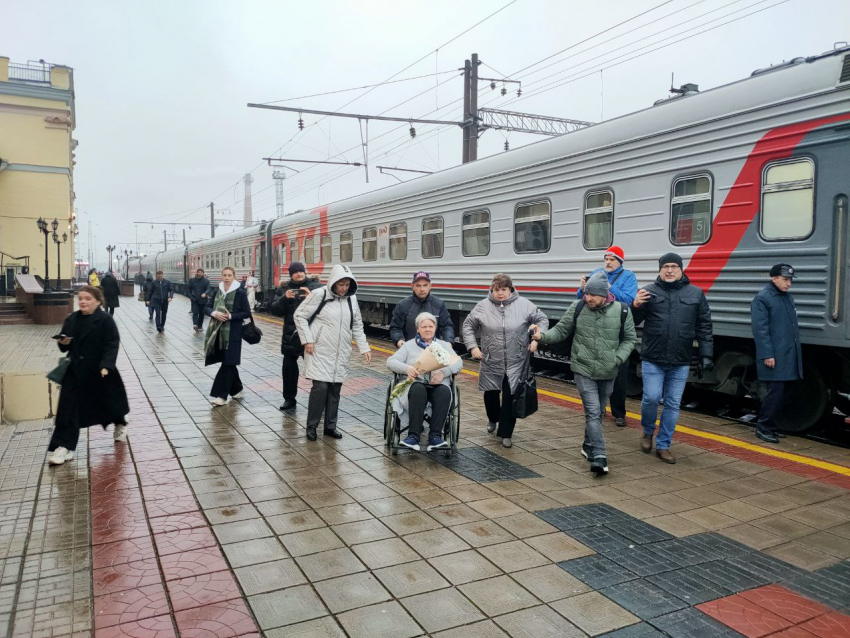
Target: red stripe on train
{"x": 744, "y": 200}
{"x": 395, "y": 284}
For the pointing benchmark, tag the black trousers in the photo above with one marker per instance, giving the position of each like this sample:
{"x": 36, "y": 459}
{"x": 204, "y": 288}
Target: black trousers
{"x": 150, "y": 310}
{"x": 502, "y": 414}
{"x": 226, "y": 382}
{"x": 111, "y": 310}
{"x": 618, "y": 396}
{"x": 771, "y": 406}
{"x": 161, "y": 310}
{"x": 198, "y": 313}
{"x": 324, "y": 398}
{"x": 418, "y": 397}
{"x": 290, "y": 376}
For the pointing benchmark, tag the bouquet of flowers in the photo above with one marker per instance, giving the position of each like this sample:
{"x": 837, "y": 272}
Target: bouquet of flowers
{"x": 431, "y": 358}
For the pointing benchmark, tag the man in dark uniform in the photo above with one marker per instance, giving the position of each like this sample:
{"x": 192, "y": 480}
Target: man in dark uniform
{"x": 779, "y": 357}
{"x": 403, "y": 324}
{"x": 287, "y": 299}
{"x": 199, "y": 292}
{"x": 161, "y": 294}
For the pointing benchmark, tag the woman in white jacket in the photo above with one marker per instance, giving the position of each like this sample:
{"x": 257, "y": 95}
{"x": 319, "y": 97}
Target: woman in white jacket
{"x": 326, "y": 321}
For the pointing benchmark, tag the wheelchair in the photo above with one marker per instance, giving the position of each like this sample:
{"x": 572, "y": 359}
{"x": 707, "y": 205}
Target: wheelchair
{"x": 393, "y": 432}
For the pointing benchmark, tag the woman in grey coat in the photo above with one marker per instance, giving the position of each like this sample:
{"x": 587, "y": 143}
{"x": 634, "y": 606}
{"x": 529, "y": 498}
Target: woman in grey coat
{"x": 496, "y": 333}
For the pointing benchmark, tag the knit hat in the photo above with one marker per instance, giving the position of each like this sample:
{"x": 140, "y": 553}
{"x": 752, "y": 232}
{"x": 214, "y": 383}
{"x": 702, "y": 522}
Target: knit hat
{"x": 597, "y": 284}
{"x": 670, "y": 258}
{"x": 296, "y": 266}
{"x": 616, "y": 251}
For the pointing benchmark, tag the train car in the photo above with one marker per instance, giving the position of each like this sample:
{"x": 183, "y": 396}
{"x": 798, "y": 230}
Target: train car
{"x": 734, "y": 179}
{"x": 244, "y": 250}
{"x": 172, "y": 263}
{"x": 147, "y": 264}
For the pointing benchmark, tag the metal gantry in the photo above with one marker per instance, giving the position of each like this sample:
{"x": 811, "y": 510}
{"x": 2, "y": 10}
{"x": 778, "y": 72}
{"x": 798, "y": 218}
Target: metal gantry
{"x": 526, "y": 123}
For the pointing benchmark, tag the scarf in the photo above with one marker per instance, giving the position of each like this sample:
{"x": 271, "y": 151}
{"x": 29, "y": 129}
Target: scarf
{"x": 218, "y": 332}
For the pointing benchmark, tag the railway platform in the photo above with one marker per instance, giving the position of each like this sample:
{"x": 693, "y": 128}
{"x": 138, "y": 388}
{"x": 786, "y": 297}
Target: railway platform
{"x": 216, "y": 522}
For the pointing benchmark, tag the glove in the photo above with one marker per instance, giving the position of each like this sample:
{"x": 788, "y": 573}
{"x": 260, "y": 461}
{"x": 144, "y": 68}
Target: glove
{"x": 707, "y": 364}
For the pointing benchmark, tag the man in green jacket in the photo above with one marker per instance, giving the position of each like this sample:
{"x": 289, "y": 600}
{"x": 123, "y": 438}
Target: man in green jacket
{"x": 604, "y": 337}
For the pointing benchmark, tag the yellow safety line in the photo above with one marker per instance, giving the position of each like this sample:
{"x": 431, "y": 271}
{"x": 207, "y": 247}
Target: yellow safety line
{"x": 779, "y": 454}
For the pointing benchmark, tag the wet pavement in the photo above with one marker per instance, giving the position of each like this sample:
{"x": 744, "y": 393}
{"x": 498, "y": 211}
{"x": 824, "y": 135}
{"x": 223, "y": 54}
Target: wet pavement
{"x": 227, "y": 522}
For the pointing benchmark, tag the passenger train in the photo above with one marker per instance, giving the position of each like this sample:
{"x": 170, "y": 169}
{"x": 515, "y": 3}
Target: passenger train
{"x": 735, "y": 179}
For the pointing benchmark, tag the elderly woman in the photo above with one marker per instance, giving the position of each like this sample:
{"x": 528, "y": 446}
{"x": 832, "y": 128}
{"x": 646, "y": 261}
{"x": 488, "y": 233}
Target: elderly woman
{"x": 433, "y": 387}
{"x": 496, "y": 333}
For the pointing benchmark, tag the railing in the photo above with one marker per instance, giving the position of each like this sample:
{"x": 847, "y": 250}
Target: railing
{"x": 30, "y": 73}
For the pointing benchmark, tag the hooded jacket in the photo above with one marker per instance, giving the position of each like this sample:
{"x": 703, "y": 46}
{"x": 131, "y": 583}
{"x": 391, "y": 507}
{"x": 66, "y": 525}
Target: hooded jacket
{"x": 285, "y": 307}
{"x": 403, "y": 324}
{"x": 332, "y": 329}
{"x": 500, "y": 330}
{"x": 623, "y": 284}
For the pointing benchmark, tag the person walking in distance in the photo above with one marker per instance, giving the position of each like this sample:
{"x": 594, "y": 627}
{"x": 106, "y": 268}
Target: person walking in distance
{"x": 623, "y": 287}
{"x": 199, "y": 293}
{"x": 674, "y": 313}
{"x": 327, "y": 320}
{"x": 603, "y": 336}
{"x": 92, "y": 391}
{"x": 111, "y": 292}
{"x": 147, "y": 291}
{"x": 779, "y": 356}
{"x": 227, "y": 309}
{"x": 286, "y": 302}
{"x": 403, "y": 324}
{"x": 496, "y": 334}
{"x": 162, "y": 292}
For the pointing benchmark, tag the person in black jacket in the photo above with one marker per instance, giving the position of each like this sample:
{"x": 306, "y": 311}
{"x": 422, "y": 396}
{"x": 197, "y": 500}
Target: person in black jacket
{"x": 111, "y": 292}
{"x": 199, "y": 292}
{"x": 287, "y": 299}
{"x": 403, "y": 324}
{"x": 92, "y": 391}
{"x": 147, "y": 289}
{"x": 161, "y": 294}
{"x": 674, "y": 313}
{"x": 779, "y": 356}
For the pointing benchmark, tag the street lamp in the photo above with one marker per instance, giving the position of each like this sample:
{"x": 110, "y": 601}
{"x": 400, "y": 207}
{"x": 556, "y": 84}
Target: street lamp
{"x": 42, "y": 226}
{"x": 59, "y": 257}
{"x": 110, "y": 249}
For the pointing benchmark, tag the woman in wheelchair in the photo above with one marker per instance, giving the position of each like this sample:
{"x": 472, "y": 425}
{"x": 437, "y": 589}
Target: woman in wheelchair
{"x": 433, "y": 388}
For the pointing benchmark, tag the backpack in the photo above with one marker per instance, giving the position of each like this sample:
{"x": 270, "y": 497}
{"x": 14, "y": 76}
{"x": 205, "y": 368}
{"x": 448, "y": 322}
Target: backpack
{"x": 322, "y": 305}
{"x": 624, "y": 312}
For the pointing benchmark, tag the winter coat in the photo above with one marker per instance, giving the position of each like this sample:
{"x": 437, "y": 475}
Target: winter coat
{"x": 98, "y": 400}
{"x": 403, "y": 324}
{"x": 147, "y": 290}
{"x": 777, "y": 335}
{"x": 232, "y": 355}
{"x": 282, "y": 306}
{"x": 332, "y": 330}
{"x": 597, "y": 350}
{"x": 197, "y": 287}
{"x": 500, "y": 330}
{"x": 94, "y": 280}
{"x": 111, "y": 291}
{"x": 623, "y": 284}
{"x": 160, "y": 291}
{"x": 674, "y": 316}
{"x": 409, "y": 353}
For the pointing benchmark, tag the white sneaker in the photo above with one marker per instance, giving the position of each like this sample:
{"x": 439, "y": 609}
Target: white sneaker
{"x": 218, "y": 402}
{"x": 60, "y": 455}
{"x": 120, "y": 433}
{"x": 239, "y": 395}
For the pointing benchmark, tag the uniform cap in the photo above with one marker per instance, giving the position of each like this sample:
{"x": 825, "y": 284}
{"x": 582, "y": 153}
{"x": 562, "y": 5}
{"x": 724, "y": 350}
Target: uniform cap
{"x": 782, "y": 270}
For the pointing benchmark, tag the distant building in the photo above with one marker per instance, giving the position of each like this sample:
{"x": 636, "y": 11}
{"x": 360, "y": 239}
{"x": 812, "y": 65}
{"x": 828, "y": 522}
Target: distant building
{"x": 37, "y": 121}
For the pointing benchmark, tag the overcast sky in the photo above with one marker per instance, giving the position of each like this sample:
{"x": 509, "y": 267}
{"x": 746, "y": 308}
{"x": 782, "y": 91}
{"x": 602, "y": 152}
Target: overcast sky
{"x": 162, "y": 87}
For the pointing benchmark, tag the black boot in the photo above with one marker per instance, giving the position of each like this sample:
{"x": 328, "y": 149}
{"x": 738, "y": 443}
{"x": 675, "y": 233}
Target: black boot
{"x": 767, "y": 436}
{"x": 288, "y": 404}
{"x": 332, "y": 433}
{"x": 311, "y": 434}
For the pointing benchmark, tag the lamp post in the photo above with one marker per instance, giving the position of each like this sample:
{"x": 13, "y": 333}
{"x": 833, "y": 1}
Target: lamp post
{"x": 42, "y": 226}
{"x": 59, "y": 257}
{"x": 110, "y": 249}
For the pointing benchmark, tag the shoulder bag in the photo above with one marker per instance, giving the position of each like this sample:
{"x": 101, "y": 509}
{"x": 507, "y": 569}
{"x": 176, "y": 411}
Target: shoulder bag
{"x": 525, "y": 399}
{"x": 57, "y": 375}
{"x": 251, "y": 334}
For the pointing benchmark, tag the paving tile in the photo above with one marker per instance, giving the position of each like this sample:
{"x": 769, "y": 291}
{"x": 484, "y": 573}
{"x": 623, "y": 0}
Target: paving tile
{"x": 389, "y": 506}
{"x": 734, "y": 578}
{"x": 550, "y": 583}
{"x": 392, "y": 551}
{"x": 287, "y": 607}
{"x": 295, "y": 522}
{"x": 692, "y": 587}
{"x": 639, "y": 532}
{"x": 692, "y": 623}
{"x": 363, "y": 531}
{"x": 325, "y": 627}
{"x": 464, "y": 567}
{"x": 785, "y": 603}
{"x": 643, "y": 599}
{"x": 130, "y": 605}
{"x": 192, "y": 563}
{"x": 744, "y": 616}
{"x": 226, "y": 619}
{"x": 330, "y": 564}
{"x": 184, "y": 540}
{"x": 597, "y": 571}
{"x": 495, "y": 507}
{"x": 601, "y": 539}
{"x": 351, "y": 592}
{"x": 800, "y": 554}
{"x": 387, "y": 620}
{"x": 311, "y": 542}
{"x": 410, "y": 523}
{"x": 498, "y": 595}
{"x": 254, "y": 551}
{"x": 441, "y": 609}
{"x": 559, "y": 546}
{"x": 455, "y": 514}
{"x": 155, "y": 627}
{"x": 514, "y": 556}
{"x": 203, "y": 589}
{"x": 124, "y": 551}
{"x": 577, "y": 516}
{"x": 231, "y": 513}
{"x": 483, "y": 629}
{"x": 525, "y": 525}
{"x": 409, "y": 579}
{"x": 483, "y": 533}
{"x": 593, "y": 613}
{"x": 269, "y": 576}
{"x": 349, "y": 513}
{"x": 115, "y": 578}
{"x": 642, "y": 630}
{"x": 538, "y": 622}
{"x": 176, "y": 522}
{"x": 831, "y": 625}
{"x": 641, "y": 561}
{"x": 436, "y": 542}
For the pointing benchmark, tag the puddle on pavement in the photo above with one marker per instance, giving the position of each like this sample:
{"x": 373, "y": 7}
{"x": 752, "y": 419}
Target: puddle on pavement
{"x": 27, "y": 397}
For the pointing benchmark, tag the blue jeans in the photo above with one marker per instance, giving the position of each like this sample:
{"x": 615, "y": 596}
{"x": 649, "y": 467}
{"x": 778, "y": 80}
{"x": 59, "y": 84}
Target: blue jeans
{"x": 662, "y": 381}
{"x": 594, "y": 395}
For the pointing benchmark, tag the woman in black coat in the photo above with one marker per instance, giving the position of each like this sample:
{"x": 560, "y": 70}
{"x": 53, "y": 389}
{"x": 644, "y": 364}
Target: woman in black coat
{"x": 111, "y": 292}
{"x": 228, "y": 307}
{"x": 92, "y": 390}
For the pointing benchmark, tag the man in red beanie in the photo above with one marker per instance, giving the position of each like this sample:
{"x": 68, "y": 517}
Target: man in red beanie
{"x": 623, "y": 285}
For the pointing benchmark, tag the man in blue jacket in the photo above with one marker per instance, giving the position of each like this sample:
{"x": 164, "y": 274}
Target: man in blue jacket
{"x": 779, "y": 357}
{"x": 199, "y": 292}
{"x": 403, "y": 324}
{"x": 161, "y": 294}
{"x": 623, "y": 285}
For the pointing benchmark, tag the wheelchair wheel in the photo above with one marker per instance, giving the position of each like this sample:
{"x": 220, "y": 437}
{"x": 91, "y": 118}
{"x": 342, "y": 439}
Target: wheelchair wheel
{"x": 388, "y": 419}
{"x": 454, "y": 423}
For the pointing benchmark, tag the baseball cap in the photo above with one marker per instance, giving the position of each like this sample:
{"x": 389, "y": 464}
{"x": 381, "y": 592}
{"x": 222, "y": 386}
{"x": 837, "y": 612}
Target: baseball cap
{"x": 421, "y": 275}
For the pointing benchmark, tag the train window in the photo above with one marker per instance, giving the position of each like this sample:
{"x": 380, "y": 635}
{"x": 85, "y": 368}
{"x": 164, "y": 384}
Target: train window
{"x": 309, "y": 251}
{"x": 598, "y": 219}
{"x": 476, "y": 233}
{"x": 327, "y": 249}
{"x": 432, "y": 238}
{"x": 243, "y": 257}
{"x": 690, "y": 210}
{"x": 370, "y": 244}
{"x": 346, "y": 246}
{"x": 787, "y": 200}
{"x": 398, "y": 240}
{"x": 531, "y": 227}
{"x": 293, "y": 250}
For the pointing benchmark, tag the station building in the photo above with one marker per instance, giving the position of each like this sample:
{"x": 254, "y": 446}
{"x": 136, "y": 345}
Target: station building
{"x": 37, "y": 121}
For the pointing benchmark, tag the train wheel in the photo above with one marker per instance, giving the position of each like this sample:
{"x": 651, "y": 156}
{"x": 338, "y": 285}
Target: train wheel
{"x": 807, "y": 402}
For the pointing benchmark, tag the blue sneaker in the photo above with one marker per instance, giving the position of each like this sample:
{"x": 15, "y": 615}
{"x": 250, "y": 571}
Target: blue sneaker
{"x": 411, "y": 442}
{"x": 436, "y": 442}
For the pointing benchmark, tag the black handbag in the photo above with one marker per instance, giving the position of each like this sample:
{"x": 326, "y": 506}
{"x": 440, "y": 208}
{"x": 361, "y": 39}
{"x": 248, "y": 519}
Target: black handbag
{"x": 57, "y": 375}
{"x": 525, "y": 399}
{"x": 251, "y": 334}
